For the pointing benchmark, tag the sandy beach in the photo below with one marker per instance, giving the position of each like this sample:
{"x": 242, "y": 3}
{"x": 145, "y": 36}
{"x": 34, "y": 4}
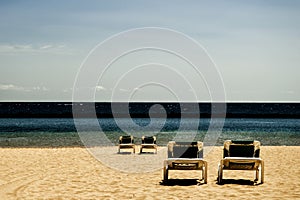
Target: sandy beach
{"x": 73, "y": 173}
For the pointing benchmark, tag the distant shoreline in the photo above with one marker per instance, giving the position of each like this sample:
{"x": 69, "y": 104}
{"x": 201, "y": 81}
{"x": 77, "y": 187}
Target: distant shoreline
{"x": 141, "y": 110}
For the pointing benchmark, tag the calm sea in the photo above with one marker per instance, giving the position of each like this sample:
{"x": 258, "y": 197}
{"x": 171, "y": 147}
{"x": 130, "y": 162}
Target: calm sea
{"x": 56, "y": 132}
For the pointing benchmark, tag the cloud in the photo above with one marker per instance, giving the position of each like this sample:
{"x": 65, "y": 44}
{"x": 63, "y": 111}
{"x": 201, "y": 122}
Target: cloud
{"x": 46, "y": 47}
{"x": 100, "y": 88}
{"x": 67, "y": 90}
{"x": 124, "y": 90}
{"x": 11, "y": 87}
{"x": 290, "y": 92}
{"x": 16, "y": 49}
{"x": 38, "y": 88}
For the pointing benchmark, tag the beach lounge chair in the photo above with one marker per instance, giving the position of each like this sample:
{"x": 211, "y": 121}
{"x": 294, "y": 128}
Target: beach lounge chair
{"x": 126, "y": 142}
{"x": 185, "y": 156}
{"x": 241, "y": 155}
{"x": 148, "y": 143}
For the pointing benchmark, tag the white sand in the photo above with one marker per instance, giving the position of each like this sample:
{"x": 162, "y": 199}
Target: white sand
{"x": 72, "y": 173}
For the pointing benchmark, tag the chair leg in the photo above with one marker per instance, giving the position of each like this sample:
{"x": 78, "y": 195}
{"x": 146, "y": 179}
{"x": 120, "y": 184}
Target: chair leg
{"x": 262, "y": 169}
{"x": 220, "y": 172}
{"x": 166, "y": 174}
{"x": 256, "y": 174}
{"x": 165, "y": 171}
{"x": 204, "y": 173}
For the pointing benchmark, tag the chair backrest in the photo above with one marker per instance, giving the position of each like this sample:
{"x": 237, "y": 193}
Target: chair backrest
{"x": 241, "y": 148}
{"x": 185, "y": 149}
{"x": 127, "y": 139}
{"x": 148, "y": 140}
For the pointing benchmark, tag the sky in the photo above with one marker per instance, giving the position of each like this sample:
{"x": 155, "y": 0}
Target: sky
{"x": 255, "y": 45}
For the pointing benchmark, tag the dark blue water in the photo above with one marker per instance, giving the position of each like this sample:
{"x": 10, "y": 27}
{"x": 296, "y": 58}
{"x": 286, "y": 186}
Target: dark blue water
{"x": 142, "y": 109}
{"x": 63, "y": 132}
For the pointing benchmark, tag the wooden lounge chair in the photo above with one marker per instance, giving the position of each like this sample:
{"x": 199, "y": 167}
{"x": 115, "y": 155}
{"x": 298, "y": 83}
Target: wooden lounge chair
{"x": 126, "y": 142}
{"x": 241, "y": 155}
{"x": 148, "y": 143}
{"x": 185, "y": 156}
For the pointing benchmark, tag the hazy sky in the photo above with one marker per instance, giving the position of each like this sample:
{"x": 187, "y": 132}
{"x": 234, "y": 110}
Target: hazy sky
{"x": 255, "y": 44}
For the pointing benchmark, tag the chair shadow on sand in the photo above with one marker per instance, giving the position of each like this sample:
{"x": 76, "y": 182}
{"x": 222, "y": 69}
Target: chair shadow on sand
{"x": 147, "y": 153}
{"x": 124, "y": 153}
{"x": 238, "y": 182}
{"x": 181, "y": 182}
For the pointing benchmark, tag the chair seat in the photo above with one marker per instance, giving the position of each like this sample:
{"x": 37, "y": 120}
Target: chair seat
{"x": 241, "y": 163}
{"x": 149, "y": 145}
{"x": 126, "y": 145}
{"x": 185, "y": 164}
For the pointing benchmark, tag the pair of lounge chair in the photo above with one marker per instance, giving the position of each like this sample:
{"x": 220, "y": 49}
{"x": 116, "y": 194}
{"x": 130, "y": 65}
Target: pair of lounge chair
{"x": 237, "y": 155}
{"x": 127, "y": 142}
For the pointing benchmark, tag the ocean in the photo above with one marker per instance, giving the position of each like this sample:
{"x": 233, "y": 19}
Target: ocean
{"x": 61, "y": 132}
{"x": 52, "y": 125}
